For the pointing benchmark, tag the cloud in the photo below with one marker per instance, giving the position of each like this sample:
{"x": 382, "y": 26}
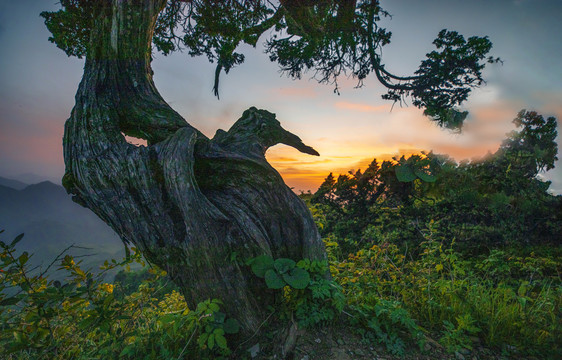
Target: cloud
{"x": 306, "y": 92}
{"x": 282, "y": 159}
{"x": 367, "y": 132}
{"x": 361, "y": 107}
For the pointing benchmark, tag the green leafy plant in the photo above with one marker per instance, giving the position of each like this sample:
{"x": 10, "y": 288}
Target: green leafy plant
{"x": 416, "y": 167}
{"x": 395, "y": 293}
{"x": 309, "y": 294}
{"x": 388, "y": 323}
{"x": 215, "y": 325}
{"x": 280, "y": 272}
{"x": 80, "y": 317}
{"x": 457, "y": 337}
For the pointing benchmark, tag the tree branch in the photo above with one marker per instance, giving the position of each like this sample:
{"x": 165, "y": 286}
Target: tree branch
{"x": 263, "y": 26}
{"x": 375, "y": 62}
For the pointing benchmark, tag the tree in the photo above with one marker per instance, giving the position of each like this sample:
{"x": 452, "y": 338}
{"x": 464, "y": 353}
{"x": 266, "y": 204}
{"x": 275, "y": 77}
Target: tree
{"x": 487, "y": 203}
{"x": 532, "y": 148}
{"x": 194, "y": 205}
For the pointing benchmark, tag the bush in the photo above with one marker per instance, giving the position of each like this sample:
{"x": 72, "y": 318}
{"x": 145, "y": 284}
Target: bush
{"x": 81, "y": 318}
{"x": 399, "y": 296}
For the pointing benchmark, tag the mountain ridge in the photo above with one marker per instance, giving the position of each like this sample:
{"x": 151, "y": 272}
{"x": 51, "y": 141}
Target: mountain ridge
{"x": 51, "y": 221}
{"x": 13, "y": 184}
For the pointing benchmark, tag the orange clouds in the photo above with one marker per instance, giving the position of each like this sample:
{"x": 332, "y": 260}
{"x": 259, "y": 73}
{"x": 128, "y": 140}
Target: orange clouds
{"x": 304, "y": 172}
{"x": 352, "y": 142}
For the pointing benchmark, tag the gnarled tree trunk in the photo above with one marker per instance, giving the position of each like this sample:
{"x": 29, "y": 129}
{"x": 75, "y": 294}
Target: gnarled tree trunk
{"x": 188, "y": 203}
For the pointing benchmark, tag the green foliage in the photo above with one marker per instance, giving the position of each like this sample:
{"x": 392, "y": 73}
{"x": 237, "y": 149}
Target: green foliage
{"x": 457, "y": 337}
{"x": 456, "y": 66}
{"x": 533, "y": 148}
{"x": 388, "y": 323}
{"x": 127, "y": 281}
{"x": 493, "y": 202}
{"x": 71, "y": 26}
{"x": 81, "y": 318}
{"x": 309, "y": 295}
{"x": 329, "y": 38}
{"x": 279, "y": 273}
{"x": 400, "y": 295}
{"x": 261, "y": 264}
{"x": 415, "y": 167}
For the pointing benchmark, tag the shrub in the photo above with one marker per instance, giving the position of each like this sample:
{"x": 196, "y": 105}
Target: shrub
{"x": 81, "y": 317}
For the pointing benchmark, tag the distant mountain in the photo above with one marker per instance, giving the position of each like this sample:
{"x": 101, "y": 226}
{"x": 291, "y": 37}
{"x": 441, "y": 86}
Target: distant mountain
{"x": 14, "y": 184}
{"x": 51, "y": 222}
{"x": 30, "y": 178}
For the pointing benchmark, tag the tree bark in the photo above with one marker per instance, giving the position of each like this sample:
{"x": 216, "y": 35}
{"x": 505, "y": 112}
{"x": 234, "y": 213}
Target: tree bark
{"x": 190, "y": 204}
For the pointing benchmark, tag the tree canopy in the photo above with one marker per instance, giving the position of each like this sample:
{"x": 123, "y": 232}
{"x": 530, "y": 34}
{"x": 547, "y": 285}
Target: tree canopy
{"x": 495, "y": 201}
{"x": 328, "y": 39}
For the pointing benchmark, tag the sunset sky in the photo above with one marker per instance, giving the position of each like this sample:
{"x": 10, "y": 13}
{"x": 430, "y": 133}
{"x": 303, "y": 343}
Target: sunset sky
{"x": 38, "y": 82}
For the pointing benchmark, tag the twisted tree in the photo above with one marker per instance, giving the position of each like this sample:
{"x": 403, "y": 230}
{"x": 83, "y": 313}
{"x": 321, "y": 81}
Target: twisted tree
{"x": 190, "y": 204}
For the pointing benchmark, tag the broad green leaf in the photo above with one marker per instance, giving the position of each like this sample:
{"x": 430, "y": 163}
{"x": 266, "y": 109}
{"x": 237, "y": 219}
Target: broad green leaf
{"x": 214, "y": 307}
{"x": 203, "y": 338}
{"x": 231, "y": 326}
{"x": 424, "y": 176}
{"x": 219, "y": 317}
{"x": 211, "y": 341}
{"x": 16, "y": 240}
{"x": 297, "y": 278}
{"x": 404, "y": 173}
{"x": 221, "y": 341}
{"x": 283, "y": 265}
{"x": 261, "y": 264}
{"x": 202, "y": 307}
{"x": 273, "y": 280}
{"x": 23, "y": 258}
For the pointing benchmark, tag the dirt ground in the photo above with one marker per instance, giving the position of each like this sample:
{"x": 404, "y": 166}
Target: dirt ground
{"x": 339, "y": 343}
